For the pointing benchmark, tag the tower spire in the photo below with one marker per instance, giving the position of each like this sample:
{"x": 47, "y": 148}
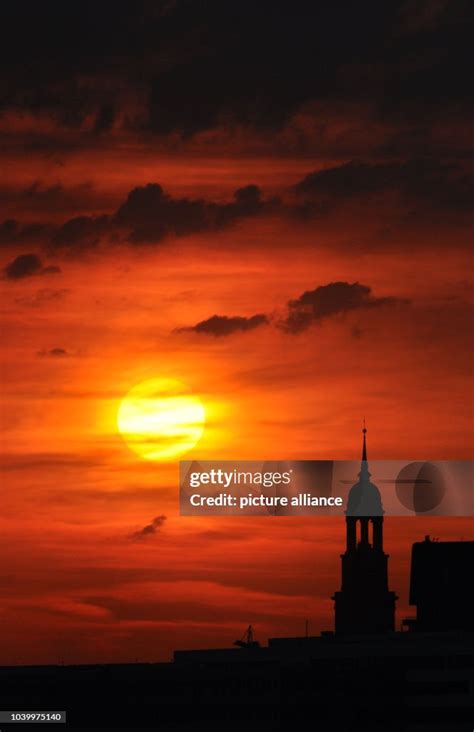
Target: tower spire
{"x": 364, "y": 466}
{"x": 364, "y": 446}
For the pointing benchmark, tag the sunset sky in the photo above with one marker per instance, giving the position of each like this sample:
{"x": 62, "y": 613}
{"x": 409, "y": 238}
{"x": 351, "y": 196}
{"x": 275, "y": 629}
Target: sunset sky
{"x": 270, "y": 204}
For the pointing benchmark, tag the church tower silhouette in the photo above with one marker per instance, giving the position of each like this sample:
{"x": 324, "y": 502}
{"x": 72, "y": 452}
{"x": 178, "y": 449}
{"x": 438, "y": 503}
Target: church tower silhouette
{"x": 364, "y": 603}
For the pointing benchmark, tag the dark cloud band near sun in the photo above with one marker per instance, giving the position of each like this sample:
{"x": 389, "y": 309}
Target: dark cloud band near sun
{"x": 149, "y": 214}
{"x": 313, "y": 306}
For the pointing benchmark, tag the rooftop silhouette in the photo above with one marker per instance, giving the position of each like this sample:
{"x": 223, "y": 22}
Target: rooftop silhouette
{"x": 440, "y": 586}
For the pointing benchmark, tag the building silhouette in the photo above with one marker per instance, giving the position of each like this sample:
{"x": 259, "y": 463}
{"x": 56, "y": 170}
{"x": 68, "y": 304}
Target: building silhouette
{"x": 364, "y": 604}
{"x": 439, "y": 586}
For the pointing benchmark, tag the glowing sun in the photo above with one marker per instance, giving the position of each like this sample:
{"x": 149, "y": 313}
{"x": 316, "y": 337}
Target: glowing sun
{"x": 161, "y": 419}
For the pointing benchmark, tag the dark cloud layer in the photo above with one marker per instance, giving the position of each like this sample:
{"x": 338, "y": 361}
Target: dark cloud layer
{"x": 27, "y": 265}
{"x": 430, "y": 181}
{"x": 302, "y": 76}
{"x": 54, "y": 353}
{"x": 149, "y": 214}
{"x": 150, "y": 529}
{"x": 84, "y": 231}
{"x": 13, "y": 232}
{"x": 313, "y": 306}
{"x": 196, "y": 66}
{"x": 224, "y": 325}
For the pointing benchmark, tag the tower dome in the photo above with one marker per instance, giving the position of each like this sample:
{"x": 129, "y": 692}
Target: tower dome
{"x": 364, "y": 497}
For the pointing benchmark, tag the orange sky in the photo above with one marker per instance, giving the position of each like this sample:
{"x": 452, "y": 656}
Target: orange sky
{"x": 76, "y": 586}
{"x": 316, "y": 190}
